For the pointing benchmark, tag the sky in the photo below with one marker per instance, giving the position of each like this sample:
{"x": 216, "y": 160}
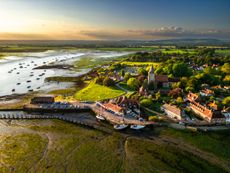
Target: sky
{"x": 113, "y": 19}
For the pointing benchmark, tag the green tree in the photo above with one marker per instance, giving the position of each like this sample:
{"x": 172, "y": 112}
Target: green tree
{"x": 127, "y": 76}
{"x": 226, "y": 68}
{"x": 158, "y": 95}
{"x": 142, "y": 71}
{"x": 122, "y": 72}
{"x": 133, "y": 83}
{"x": 181, "y": 69}
{"x": 108, "y": 82}
{"x": 146, "y": 102}
{"x": 226, "y": 101}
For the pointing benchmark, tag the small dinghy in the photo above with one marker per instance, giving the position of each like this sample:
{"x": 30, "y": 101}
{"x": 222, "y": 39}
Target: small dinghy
{"x": 137, "y": 127}
{"x": 100, "y": 117}
{"x": 120, "y": 126}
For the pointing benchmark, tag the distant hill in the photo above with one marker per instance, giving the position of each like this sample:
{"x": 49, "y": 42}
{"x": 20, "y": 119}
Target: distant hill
{"x": 120, "y": 43}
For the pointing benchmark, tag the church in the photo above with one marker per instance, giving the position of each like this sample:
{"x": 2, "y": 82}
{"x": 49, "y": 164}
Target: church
{"x": 160, "y": 81}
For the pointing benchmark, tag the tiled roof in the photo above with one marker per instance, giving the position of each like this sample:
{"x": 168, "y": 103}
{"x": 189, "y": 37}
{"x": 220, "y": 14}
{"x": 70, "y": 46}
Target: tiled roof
{"x": 161, "y": 78}
{"x": 192, "y": 97}
{"x": 113, "y": 107}
{"x": 172, "y": 108}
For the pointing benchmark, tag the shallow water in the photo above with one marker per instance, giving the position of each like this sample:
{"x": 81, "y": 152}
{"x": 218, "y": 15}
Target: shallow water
{"x": 17, "y": 74}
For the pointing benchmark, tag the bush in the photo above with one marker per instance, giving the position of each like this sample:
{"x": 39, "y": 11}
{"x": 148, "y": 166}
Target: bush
{"x": 146, "y": 102}
{"x": 133, "y": 83}
{"x": 99, "y": 80}
{"x": 108, "y": 82}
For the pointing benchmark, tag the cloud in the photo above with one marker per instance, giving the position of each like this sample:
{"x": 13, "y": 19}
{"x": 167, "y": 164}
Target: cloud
{"x": 156, "y": 33}
{"x": 179, "y": 32}
{"x": 104, "y": 35}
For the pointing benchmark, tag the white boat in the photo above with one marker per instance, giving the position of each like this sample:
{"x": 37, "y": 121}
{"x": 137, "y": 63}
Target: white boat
{"x": 100, "y": 117}
{"x": 137, "y": 127}
{"x": 120, "y": 126}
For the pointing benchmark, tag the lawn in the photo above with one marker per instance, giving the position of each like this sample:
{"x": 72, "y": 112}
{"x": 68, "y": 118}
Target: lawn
{"x": 94, "y": 92}
{"x": 225, "y": 52}
{"x": 129, "y": 63}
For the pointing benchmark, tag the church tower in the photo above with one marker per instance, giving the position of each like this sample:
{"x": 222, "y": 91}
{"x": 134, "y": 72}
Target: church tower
{"x": 151, "y": 75}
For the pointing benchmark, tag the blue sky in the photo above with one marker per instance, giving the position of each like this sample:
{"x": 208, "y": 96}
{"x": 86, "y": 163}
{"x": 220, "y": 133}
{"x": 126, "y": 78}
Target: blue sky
{"x": 118, "y": 19}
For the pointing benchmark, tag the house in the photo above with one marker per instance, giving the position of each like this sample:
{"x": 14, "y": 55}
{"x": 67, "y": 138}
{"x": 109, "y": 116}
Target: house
{"x": 226, "y": 113}
{"x": 124, "y": 101}
{"x": 210, "y": 115}
{"x": 114, "y": 108}
{"x": 46, "y": 99}
{"x": 143, "y": 91}
{"x": 172, "y": 111}
{"x": 192, "y": 97}
{"x": 206, "y": 92}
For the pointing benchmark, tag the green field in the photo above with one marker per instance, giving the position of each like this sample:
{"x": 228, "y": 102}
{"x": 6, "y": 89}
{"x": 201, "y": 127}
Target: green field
{"x": 225, "y": 52}
{"x": 67, "y": 91}
{"x": 218, "y": 142}
{"x": 178, "y": 51}
{"x": 132, "y": 49}
{"x": 24, "y": 48}
{"x": 55, "y": 146}
{"x": 94, "y": 92}
{"x": 91, "y": 62}
{"x": 129, "y": 63}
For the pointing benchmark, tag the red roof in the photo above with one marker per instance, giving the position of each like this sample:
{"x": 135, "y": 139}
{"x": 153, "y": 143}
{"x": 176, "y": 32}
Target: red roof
{"x": 113, "y": 107}
{"x": 192, "y": 97}
{"x": 161, "y": 78}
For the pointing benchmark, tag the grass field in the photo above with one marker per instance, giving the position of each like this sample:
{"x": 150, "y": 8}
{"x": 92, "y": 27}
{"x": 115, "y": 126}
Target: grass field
{"x": 55, "y": 146}
{"x": 218, "y": 142}
{"x": 23, "y": 48}
{"x": 129, "y": 63}
{"x": 95, "y": 92}
{"x": 223, "y": 52}
{"x": 68, "y": 91}
{"x": 178, "y": 51}
{"x": 132, "y": 49}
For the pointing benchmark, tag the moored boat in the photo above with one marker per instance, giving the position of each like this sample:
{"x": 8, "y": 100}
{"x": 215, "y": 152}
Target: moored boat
{"x": 100, "y": 117}
{"x": 137, "y": 127}
{"x": 120, "y": 126}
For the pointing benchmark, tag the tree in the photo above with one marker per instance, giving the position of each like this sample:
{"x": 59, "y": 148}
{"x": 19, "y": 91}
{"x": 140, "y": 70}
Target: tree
{"x": 142, "y": 71}
{"x": 108, "y": 82}
{"x": 179, "y": 100}
{"x": 226, "y": 68}
{"x": 181, "y": 70}
{"x": 146, "y": 102}
{"x": 175, "y": 92}
{"x": 133, "y": 83}
{"x": 99, "y": 80}
{"x": 226, "y": 101}
{"x": 145, "y": 84}
{"x": 127, "y": 76}
{"x": 122, "y": 72}
{"x": 158, "y": 95}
